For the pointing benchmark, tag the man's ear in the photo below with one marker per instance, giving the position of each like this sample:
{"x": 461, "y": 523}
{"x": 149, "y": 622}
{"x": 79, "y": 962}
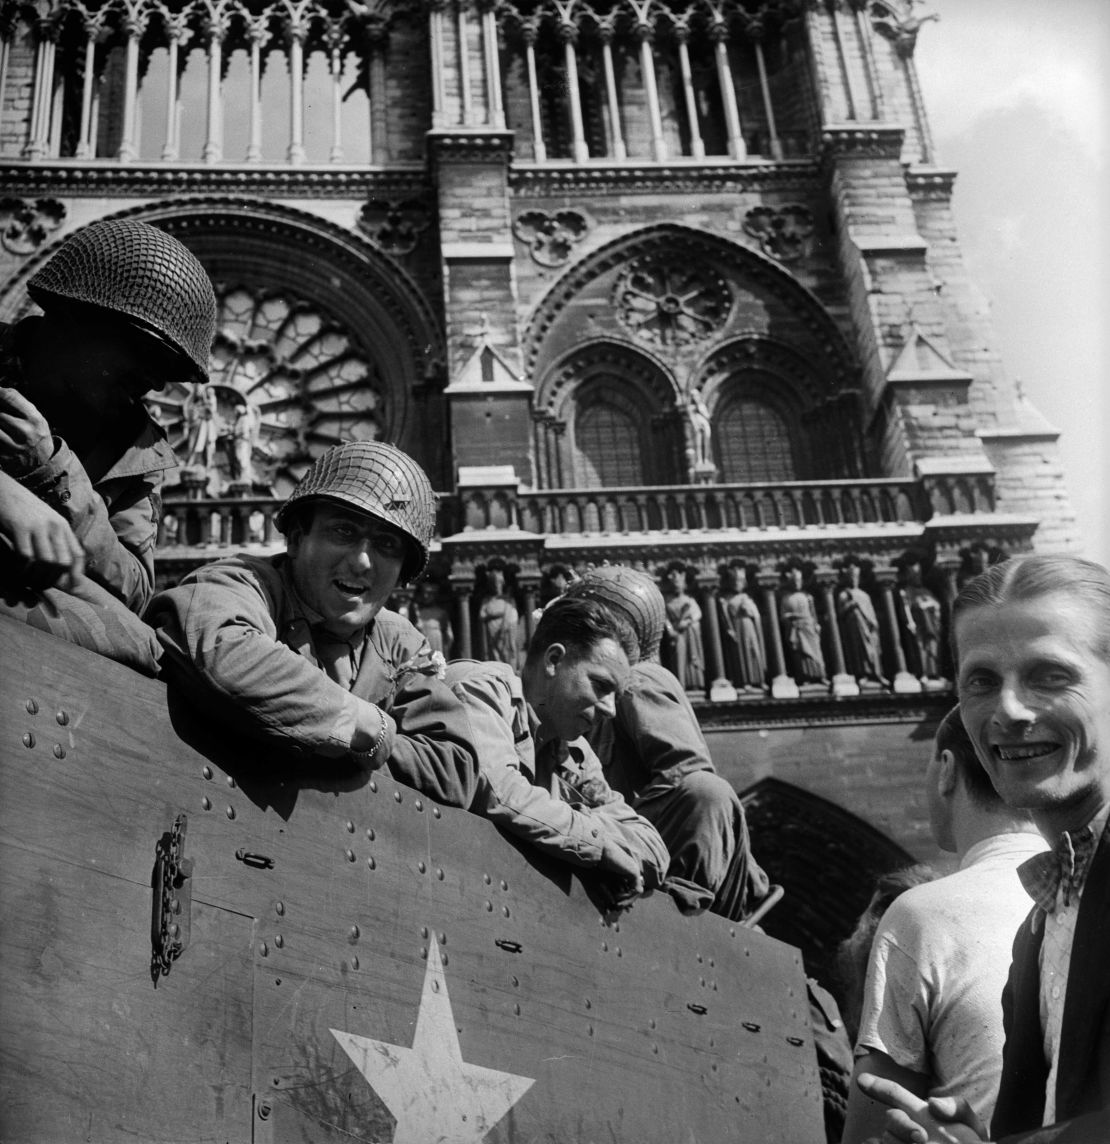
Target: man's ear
{"x": 553, "y": 656}
{"x": 293, "y": 539}
{"x": 946, "y": 773}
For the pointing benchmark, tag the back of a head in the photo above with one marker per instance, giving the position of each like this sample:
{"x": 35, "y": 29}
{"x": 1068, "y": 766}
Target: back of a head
{"x": 379, "y": 480}
{"x": 1024, "y": 578}
{"x": 952, "y": 736}
{"x": 633, "y": 595}
{"x": 580, "y": 624}
{"x": 137, "y": 272}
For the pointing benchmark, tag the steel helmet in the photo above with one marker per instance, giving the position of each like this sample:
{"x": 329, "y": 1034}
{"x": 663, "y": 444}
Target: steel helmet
{"x": 632, "y": 593}
{"x": 377, "y": 479}
{"x": 135, "y": 269}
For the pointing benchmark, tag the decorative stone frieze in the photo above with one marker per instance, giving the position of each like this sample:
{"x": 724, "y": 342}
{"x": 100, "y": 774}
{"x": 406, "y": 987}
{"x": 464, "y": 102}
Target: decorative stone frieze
{"x": 394, "y": 226}
{"x": 25, "y": 224}
{"x": 876, "y": 141}
{"x": 783, "y": 232}
{"x": 550, "y": 236}
{"x": 797, "y": 177}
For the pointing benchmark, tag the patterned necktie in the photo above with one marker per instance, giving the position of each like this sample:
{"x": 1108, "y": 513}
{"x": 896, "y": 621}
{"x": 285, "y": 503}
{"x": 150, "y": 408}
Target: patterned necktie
{"x": 1064, "y": 865}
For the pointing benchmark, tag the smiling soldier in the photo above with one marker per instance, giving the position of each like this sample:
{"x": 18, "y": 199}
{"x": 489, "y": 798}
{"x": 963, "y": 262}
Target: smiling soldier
{"x": 299, "y": 650}
{"x": 1032, "y": 640}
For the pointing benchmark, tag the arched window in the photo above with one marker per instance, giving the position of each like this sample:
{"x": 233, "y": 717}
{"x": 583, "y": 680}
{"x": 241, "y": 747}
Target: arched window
{"x": 608, "y": 447}
{"x": 754, "y": 443}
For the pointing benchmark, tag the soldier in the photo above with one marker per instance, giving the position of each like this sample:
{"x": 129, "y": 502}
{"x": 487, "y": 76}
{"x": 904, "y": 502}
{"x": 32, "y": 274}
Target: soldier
{"x": 539, "y": 778}
{"x": 126, "y": 309}
{"x": 654, "y": 753}
{"x": 299, "y": 650}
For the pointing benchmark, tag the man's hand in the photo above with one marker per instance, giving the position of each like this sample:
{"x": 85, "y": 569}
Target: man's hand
{"x": 38, "y": 534}
{"x": 911, "y": 1120}
{"x": 624, "y": 881}
{"x": 25, "y": 438}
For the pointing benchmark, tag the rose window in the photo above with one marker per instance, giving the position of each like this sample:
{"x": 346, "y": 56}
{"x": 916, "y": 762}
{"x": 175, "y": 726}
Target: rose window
{"x": 287, "y": 382}
{"x": 671, "y": 305}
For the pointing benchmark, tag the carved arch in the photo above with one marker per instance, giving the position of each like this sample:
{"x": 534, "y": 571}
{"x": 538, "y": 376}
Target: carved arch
{"x": 826, "y": 859}
{"x": 267, "y": 247}
{"x": 745, "y": 269}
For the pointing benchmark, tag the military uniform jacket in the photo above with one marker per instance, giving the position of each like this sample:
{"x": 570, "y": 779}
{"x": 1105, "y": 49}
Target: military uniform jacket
{"x": 236, "y": 634}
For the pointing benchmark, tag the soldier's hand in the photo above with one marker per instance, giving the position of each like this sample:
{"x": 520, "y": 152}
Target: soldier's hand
{"x": 25, "y": 438}
{"x": 38, "y": 534}
{"x": 628, "y": 871}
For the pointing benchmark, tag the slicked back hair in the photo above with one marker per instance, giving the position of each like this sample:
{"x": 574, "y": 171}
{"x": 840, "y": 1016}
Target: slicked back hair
{"x": 952, "y": 736}
{"x": 580, "y": 624}
{"x": 1030, "y": 577}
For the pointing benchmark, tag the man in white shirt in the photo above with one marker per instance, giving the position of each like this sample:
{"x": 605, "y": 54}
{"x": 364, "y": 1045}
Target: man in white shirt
{"x": 1032, "y": 643}
{"x": 932, "y": 1003}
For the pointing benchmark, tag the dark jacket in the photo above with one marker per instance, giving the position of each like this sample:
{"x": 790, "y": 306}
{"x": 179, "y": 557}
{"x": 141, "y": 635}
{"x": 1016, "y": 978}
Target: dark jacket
{"x": 1083, "y": 1077}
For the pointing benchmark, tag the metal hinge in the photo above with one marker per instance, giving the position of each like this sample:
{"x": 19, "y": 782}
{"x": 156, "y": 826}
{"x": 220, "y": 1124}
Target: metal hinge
{"x": 173, "y": 894}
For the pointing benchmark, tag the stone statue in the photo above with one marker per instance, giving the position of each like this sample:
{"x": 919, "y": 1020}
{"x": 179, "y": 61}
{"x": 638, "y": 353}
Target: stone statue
{"x": 433, "y": 620}
{"x": 242, "y": 439}
{"x": 745, "y": 649}
{"x": 499, "y": 619}
{"x": 202, "y": 428}
{"x": 859, "y": 627}
{"x": 801, "y": 630}
{"x": 682, "y": 643}
{"x": 701, "y": 432}
{"x": 921, "y": 623}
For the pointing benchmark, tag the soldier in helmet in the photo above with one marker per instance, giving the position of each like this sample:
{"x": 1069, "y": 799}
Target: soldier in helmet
{"x": 538, "y": 778}
{"x": 654, "y": 753}
{"x": 299, "y": 650}
{"x": 126, "y": 309}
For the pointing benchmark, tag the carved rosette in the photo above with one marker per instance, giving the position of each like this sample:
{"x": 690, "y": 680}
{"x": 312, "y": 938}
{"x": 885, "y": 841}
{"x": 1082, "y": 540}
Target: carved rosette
{"x": 783, "y": 233}
{"x": 394, "y": 226}
{"x": 287, "y": 382}
{"x": 25, "y": 225}
{"x": 550, "y": 237}
{"x": 668, "y": 304}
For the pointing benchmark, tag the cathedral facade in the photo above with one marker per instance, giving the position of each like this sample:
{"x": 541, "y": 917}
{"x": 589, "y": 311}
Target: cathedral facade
{"x": 666, "y": 283}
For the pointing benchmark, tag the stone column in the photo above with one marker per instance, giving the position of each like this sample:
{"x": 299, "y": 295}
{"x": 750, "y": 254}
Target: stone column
{"x": 721, "y": 689}
{"x": 782, "y": 685}
{"x": 214, "y": 137}
{"x": 842, "y": 682}
{"x": 904, "y": 682}
{"x": 530, "y": 28}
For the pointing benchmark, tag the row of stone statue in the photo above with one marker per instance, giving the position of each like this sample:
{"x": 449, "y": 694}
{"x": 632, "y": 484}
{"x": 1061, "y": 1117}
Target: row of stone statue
{"x": 843, "y": 629}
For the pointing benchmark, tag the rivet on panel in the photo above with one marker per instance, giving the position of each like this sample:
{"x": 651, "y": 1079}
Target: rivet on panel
{"x": 279, "y": 941}
{"x": 264, "y": 949}
{"x": 397, "y": 796}
{"x": 516, "y": 1009}
{"x": 371, "y": 863}
{"x": 424, "y": 952}
{"x": 373, "y": 786}
{"x": 620, "y": 952}
{"x": 505, "y": 910}
{"x": 651, "y": 1023}
{"x": 370, "y": 835}
{"x": 422, "y": 866}
{"x": 588, "y": 1003}
{"x": 32, "y": 707}
{"x": 504, "y": 884}
{"x": 350, "y": 855}
{"x": 63, "y": 718}
{"x": 442, "y": 939}
{"x": 487, "y": 879}
{"x": 354, "y": 963}
{"x": 604, "y": 947}
{"x": 655, "y": 1049}
{"x": 515, "y": 981}
{"x": 354, "y": 933}
{"x": 279, "y": 909}
{"x": 419, "y": 805}
{"x": 28, "y": 739}
{"x": 206, "y": 771}
{"x": 435, "y": 812}
{"x": 230, "y": 782}
{"x": 206, "y": 803}
{"x": 350, "y": 827}
{"x": 445, "y": 959}
{"x": 590, "y": 1030}
{"x": 439, "y": 873}
{"x": 59, "y": 751}
{"x": 424, "y": 932}
{"x": 230, "y": 812}
{"x": 489, "y": 905}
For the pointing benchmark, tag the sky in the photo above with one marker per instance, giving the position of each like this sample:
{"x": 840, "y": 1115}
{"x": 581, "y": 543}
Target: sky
{"x": 1017, "y": 93}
